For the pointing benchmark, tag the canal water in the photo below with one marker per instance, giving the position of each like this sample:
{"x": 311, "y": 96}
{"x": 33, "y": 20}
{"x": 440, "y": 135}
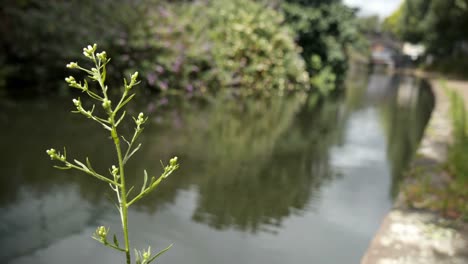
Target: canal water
{"x": 277, "y": 181}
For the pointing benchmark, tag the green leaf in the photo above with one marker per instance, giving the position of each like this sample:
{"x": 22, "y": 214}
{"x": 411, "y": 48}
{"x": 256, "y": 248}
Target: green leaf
{"x": 126, "y": 141}
{"x": 124, "y": 102}
{"x": 131, "y": 189}
{"x": 144, "y": 182}
{"x": 137, "y": 257}
{"x": 82, "y": 165}
{"x": 131, "y": 154}
{"x": 120, "y": 119}
{"x": 62, "y": 168}
{"x": 160, "y": 253}
{"x": 103, "y": 75}
{"x": 116, "y": 242}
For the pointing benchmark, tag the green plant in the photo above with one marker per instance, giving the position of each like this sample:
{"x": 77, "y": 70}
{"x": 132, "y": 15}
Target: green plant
{"x": 457, "y": 155}
{"x": 253, "y": 50}
{"x": 326, "y": 31}
{"x": 117, "y": 177}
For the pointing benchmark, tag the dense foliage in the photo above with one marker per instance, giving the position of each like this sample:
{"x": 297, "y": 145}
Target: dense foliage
{"x": 326, "y": 30}
{"x": 442, "y": 25}
{"x": 243, "y": 45}
{"x": 194, "y": 47}
{"x": 457, "y": 156}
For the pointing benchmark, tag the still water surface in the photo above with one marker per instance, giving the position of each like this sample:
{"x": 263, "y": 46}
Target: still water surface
{"x": 262, "y": 182}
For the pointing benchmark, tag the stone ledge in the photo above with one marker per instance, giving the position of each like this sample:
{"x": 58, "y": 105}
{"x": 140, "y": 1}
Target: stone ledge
{"x": 409, "y": 236}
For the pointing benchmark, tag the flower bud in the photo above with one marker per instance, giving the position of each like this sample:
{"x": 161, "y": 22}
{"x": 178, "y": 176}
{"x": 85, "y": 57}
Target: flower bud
{"x": 141, "y": 119}
{"x": 76, "y": 102}
{"x": 70, "y": 80}
{"x": 115, "y": 170}
{"x": 52, "y": 153}
{"x": 102, "y": 56}
{"x": 88, "y": 51}
{"x": 173, "y": 162}
{"x": 106, "y": 104}
{"x": 134, "y": 76}
{"x": 72, "y": 65}
{"x": 102, "y": 233}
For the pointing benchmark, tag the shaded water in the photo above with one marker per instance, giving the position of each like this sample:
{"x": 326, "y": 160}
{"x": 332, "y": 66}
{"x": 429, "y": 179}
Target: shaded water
{"x": 263, "y": 182}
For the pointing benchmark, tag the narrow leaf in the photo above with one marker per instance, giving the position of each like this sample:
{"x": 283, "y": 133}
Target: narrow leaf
{"x": 160, "y": 253}
{"x": 126, "y": 141}
{"x": 137, "y": 257}
{"x": 144, "y": 182}
{"x": 125, "y": 102}
{"x": 103, "y": 75}
{"x": 62, "y": 168}
{"x": 121, "y": 118}
{"x": 131, "y": 189}
{"x": 89, "y": 165}
{"x": 82, "y": 165}
{"x": 116, "y": 242}
{"x": 131, "y": 154}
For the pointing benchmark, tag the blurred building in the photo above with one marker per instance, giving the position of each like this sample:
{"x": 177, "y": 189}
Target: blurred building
{"x": 385, "y": 51}
{"x": 413, "y": 51}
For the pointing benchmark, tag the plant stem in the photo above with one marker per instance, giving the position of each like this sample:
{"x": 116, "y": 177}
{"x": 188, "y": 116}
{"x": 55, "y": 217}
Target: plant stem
{"x": 123, "y": 192}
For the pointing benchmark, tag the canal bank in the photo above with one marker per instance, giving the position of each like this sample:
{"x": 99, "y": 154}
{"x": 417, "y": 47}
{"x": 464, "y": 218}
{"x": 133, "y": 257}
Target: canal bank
{"x": 410, "y": 235}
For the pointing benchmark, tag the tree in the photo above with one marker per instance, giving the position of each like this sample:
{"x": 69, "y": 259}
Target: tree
{"x": 442, "y": 25}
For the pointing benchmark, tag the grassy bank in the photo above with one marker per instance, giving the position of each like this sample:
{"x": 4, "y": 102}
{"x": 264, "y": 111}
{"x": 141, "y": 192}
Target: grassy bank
{"x": 442, "y": 185}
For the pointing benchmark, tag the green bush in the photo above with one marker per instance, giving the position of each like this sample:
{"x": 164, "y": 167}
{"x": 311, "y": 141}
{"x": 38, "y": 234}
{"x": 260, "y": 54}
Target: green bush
{"x": 193, "y": 47}
{"x": 253, "y": 50}
{"x": 47, "y": 33}
{"x": 458, "y": 154}
{"x": 450, "y": 66}
{"x": 325, "y": 30}
{"x": 236, "y": 44}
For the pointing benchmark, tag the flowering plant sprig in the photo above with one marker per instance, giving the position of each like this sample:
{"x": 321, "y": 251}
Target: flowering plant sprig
{"x": 116, "y": 179}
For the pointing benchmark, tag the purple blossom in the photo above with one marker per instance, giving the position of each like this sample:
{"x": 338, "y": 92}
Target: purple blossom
{"x": 151, "y": 107}
{"x": 163, "y": 85}
{"x": 151, "y": 77}
{"x": 159, "y": 69}
{"x": 164, "y": 12}
{"x": 195, "y": 69}
{"x": 163, "y": 101}
{"x": 177, "y": 119}
{"x": 177, "y": 64}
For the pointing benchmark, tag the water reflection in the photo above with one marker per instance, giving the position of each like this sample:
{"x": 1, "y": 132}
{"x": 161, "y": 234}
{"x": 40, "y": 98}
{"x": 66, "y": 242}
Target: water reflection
{"x": 404, "y": 117}
{"x": 269, "y": 174}
{"x": 255, "y": 176}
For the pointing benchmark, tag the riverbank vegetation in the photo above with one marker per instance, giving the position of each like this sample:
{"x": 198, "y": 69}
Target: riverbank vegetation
{"x": 443, "y": 188}
{"x": 190, "y": 47}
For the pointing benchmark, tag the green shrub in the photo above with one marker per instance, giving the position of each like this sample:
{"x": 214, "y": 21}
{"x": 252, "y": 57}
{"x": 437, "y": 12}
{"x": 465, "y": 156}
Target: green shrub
{"x": 186, "y": 46}
{"x": 174, "y": 52}
{"x": 253, "y": 50}
{"x": 44, "y": 35}
{"x": 458, "y": 151}
{"x": 236, "y": 44}
{"x": 325, "y": 30}
{"x": 450, "y": 66}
